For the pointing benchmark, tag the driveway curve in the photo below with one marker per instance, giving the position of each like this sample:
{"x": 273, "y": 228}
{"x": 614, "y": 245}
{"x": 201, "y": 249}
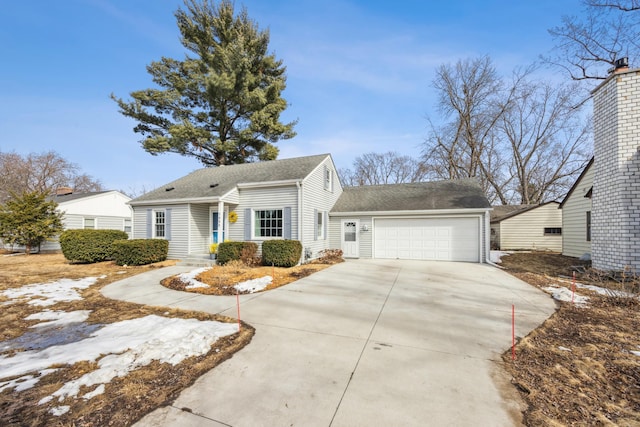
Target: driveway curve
{"x": 362, "y": 343}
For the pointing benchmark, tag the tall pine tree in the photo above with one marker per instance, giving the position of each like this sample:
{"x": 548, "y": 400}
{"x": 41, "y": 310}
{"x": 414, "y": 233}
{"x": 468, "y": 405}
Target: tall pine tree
{"x": 222, "y": 103}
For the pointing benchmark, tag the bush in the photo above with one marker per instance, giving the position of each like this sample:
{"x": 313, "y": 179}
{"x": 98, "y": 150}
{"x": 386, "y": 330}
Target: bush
{"x": 230, "y": 251}
{"x": 140, "y": 251}
{"x": 88, "y": 246}
{"x": 281, "y": 253}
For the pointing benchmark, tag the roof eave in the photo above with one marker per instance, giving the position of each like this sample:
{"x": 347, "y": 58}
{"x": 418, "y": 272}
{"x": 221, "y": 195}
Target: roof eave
{"x": 267, "y": 184}
{"x": 175, "y": 201}
{"x": 414, "y": 212}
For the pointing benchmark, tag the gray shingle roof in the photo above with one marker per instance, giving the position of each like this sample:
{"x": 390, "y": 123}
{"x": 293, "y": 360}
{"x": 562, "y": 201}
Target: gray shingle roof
{"x": 453, "y": 194}
{"x": 218, "y": 181}
{"x": 500, "y": 213}
{"x": 75, "y": 196}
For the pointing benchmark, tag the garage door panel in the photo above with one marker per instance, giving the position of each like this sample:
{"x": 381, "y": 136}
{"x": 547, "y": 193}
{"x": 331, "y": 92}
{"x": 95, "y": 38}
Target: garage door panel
{"x": 446, "y": 239}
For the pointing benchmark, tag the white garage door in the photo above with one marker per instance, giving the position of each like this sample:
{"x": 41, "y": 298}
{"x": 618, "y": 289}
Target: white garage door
{"x": 443, "y": 239}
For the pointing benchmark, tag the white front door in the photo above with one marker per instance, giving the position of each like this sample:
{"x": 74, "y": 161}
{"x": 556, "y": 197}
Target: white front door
{"x": 349, "y": 238}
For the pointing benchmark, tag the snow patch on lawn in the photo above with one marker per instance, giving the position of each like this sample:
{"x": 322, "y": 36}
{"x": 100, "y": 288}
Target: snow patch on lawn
{"x": 46, "y": 294}
{"x": 565, "y": 294}
{"x": 190, "y": 278}
{"x": 58, "y": 318}
{"x": 496, "y": 256}
{"x": 254, "y": 285}
{"x": 119, "y": 348}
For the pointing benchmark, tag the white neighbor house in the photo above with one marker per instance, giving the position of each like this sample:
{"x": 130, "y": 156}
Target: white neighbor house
{"x": 532, "y": 227}
{"x": 98, "y": 210}
{"x": 576, "y": 215}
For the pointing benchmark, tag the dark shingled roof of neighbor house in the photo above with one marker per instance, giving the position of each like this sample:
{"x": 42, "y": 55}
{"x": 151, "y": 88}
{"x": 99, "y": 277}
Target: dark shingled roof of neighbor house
{"x": 453, "y": 194}
{"x": 217, "y": 181}
{"x": 502, "y": 212}
{"x": 75, "y": 196}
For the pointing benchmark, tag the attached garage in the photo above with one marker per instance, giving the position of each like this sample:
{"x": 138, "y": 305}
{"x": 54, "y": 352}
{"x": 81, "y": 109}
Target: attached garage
{"x": 436, "y": 239}
{"x": 439, "y": 221}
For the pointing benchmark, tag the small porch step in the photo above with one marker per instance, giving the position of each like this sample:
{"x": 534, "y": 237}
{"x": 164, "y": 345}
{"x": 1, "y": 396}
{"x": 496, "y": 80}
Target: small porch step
{"x": 197, "y": 260}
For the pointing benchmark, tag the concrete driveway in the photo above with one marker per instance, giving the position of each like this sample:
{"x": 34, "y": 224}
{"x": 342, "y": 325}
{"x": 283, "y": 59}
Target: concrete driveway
{"x": 363, "y": 343}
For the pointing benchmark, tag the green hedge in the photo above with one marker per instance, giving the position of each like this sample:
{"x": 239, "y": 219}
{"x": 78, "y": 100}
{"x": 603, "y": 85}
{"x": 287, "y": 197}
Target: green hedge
{"x": 229, "y": 251}
{"x": 140, "y": 251}
{"x": 88, "y": 246}
{"x": 281, "y": 253}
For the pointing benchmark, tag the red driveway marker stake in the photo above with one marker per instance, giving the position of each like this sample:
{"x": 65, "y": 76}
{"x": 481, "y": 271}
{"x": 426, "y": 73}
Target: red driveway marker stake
{"x": 573, "y": 287}
{"x": 513, "y": 332}
{"x": 238, "y": 304}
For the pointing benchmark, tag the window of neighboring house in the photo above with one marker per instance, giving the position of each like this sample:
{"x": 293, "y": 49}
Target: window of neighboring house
{"x": 159, "y": 224}
{"x": 268, "y": 223}
{"x": 90, "y": 223}
{"x": 127, "y": 226}
{"x": 588, "y": 226}
{"x": 327, "y": 179}
{"x": 320, "y": 228}
{"x": 553, "y": 231}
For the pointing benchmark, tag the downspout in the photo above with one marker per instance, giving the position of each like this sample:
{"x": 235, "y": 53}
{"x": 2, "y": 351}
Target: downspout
{"x": 299, "y": 185}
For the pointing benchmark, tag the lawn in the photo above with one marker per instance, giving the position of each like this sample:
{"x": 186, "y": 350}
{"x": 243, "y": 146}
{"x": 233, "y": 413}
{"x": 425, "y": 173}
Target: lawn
{"x": 582, "y": 366}
{"x": 57, "y": 337}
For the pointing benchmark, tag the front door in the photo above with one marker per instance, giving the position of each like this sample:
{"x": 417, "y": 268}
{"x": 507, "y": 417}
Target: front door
{"x": 217, "y": 228}
{"x": 349, "y": 238}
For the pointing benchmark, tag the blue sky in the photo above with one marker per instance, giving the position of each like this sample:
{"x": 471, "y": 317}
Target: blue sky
{"x": 359, "y": 72}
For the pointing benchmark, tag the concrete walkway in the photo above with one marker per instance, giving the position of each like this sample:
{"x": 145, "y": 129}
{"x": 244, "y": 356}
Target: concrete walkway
{"x": 363, "y": 343}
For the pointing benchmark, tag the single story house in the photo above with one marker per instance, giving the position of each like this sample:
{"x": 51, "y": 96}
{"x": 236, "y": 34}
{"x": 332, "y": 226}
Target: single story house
{"x": 302, "y": 199}
{"x": 576, "y": 215}
{"x": 530, "y": 227}
{"x": 98, "y": 210}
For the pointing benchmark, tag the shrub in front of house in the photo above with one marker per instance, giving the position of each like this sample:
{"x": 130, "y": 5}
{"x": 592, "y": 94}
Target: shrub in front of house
{"x": 230, "y": 251}
{"x": 89, "y": 246}
{"x": 140, "y": 251}
{"x": 281, "y": 253}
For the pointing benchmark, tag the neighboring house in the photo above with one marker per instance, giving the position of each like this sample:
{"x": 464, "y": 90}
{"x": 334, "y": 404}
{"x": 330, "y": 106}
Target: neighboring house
{"x": 576, "y": 215}
{"x": 302, "y": 199}
{"x": 531, "y": 227}
{"x": 98, "y": 210}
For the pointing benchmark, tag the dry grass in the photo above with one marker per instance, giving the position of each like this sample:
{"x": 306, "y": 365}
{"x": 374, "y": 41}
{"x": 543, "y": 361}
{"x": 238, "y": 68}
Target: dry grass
{"x": 577, "y": 368}
{"x": 125, "y": 399}
{"x": 221, "y": 279}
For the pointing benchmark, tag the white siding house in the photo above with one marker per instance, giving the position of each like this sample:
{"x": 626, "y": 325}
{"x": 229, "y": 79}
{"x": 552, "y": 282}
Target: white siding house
{"x": 576, "y": 215}
{"x": 98, "y": 210}
{"x": 302, "y": 199}
{"x": 535, "y": 227}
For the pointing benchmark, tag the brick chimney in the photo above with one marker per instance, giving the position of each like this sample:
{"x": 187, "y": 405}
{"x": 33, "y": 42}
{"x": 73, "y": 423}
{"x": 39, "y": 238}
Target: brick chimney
{"x": 615, "y": 226}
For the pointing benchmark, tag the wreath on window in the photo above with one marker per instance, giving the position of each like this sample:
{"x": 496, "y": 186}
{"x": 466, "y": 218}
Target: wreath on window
{"x": 233, "y": 217}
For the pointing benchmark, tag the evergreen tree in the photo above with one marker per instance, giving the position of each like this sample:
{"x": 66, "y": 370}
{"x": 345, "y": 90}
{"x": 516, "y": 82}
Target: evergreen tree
{"x": 222, "y": 103}
{"x": 29, "y": 220}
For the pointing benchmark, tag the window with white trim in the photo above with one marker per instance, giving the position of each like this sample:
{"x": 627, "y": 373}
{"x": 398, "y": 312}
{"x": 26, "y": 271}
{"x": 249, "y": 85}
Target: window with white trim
{"x": 268, "y": 223}
{"x": 127, "y": 226}
{"x": 327, "y": 179}
{"x": 89, "y": 223}
{"x": 159, "y": 224}
{"x": 320, "y": 225}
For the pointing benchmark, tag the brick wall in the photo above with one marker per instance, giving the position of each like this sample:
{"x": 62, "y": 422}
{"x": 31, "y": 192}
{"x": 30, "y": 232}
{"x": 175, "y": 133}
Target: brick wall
{"x": 615, "y": 226}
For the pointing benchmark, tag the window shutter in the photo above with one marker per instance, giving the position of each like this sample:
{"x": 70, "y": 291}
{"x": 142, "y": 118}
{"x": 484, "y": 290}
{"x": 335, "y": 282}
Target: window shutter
{"x": 149, "y": 223}
{"x": 286, "y": 232}
{"x": 325, "y": 219}
{"x": 167, "y": 224}
{"x": 315, "y": 224}
{"x": 247, "y": 224}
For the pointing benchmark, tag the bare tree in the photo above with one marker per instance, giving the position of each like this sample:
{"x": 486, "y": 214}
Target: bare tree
{"x": 523, "y": 140}
{"x": 383, "y": 168}
{"x": 547, "y": 139}
{"x": 587, "y": 47}
{"x": 43, "y": 173}
{"x": 473, "y": 98}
